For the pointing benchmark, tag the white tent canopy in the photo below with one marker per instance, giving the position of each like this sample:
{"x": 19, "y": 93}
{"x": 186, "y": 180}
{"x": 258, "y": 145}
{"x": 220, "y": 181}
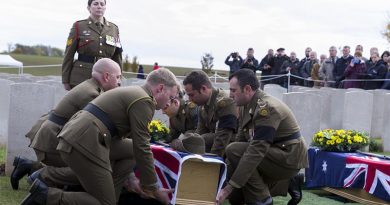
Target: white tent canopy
{"x": 8, "y": 61}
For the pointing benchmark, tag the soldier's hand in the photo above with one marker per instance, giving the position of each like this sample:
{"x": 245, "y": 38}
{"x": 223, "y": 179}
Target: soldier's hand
{"x": 223, "y": 194}
{"x": 132, "y": 184}
{"x": 161, "y": 195}
{"x": 67, "y": 86}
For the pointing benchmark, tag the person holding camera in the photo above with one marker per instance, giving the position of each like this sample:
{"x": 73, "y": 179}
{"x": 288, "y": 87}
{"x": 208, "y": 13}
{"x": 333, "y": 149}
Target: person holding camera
{"x": 355, "y": 70}
{"x": 235, "y": 63}
{"x": 250, "y": 61}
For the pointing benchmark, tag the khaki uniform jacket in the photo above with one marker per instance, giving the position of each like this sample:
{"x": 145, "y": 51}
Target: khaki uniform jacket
{"x": 130, "y": 109}
{"x": 185, "y": 120}
{"x": 76, "y": 99}
{"x": 219, "y": 117}
{"x": 86, "y": 39}
{"x": 263, "y": 122}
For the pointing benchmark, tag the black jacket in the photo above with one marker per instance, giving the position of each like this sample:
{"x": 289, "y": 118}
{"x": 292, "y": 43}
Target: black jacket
{"x": 376, "y": 71}
{"x": 341, "y": 65}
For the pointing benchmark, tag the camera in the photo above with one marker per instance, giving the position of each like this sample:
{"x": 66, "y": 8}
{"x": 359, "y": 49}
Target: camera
{"x": 356, "y": 61}
{"x": 234, "y": 55}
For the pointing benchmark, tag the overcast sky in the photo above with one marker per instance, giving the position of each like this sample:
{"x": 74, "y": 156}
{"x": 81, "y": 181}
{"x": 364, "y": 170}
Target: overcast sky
{"x": 178, "y": 32}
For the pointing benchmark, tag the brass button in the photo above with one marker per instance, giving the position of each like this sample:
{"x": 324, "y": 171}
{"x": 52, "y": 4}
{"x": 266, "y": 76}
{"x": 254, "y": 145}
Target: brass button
{"x": 101, "y": 44}
{"x": 100, "y": 52}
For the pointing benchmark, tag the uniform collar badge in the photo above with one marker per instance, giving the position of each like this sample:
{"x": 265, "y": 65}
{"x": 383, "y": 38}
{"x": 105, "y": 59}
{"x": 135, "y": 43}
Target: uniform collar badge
{"x": 263, "y": 112}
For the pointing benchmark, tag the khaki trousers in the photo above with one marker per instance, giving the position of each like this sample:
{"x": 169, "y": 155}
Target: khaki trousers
{"x": 101, "y": 185}
{"x": 271, "y": 179}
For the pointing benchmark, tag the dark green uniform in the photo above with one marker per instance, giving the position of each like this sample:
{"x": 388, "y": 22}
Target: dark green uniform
{"x": 91, "y": 44}
{"x": 217, "y": 122}
{"x": 86, "y": 140}
{"x": 185, "y": 120}
{"x": 268, "y": 148}
{"x": 45, "y": 140}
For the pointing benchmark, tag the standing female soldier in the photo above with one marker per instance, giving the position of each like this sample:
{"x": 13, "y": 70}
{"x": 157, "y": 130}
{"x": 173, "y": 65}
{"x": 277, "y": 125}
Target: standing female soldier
{"x": 92, "y": 39}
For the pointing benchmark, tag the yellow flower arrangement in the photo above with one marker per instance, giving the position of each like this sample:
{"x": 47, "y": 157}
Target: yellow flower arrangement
{"x": 158, "y": 131}
{"x": 340, "y": 140}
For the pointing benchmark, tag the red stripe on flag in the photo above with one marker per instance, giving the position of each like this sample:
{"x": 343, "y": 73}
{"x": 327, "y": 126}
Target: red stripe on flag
{"x": 166, "y": 159}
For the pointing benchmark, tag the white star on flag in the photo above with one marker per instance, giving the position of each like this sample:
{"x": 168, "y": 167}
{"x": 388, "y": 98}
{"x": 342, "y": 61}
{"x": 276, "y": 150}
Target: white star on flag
{"x": 324, "y": 165}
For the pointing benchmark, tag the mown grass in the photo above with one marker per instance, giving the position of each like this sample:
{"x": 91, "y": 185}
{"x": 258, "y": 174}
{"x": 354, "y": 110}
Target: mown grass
{"x": 33, "y": 60}
{"x": 8, "y": 196}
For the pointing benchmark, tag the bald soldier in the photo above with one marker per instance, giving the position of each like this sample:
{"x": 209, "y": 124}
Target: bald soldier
{"x": 106, "y": 75}
{"x": 217, "y": 117}
{"x": 268, "y": 148}
{"x": 86, "y": 140}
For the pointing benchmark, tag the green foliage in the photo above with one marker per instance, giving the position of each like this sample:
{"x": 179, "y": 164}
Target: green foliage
{"x": 340, "y": 140}
{"x": 2, "y": 154}
{"x": 158, "y": 131}
{"x": 40, "y": 50}
{"x": 376, "y": 145}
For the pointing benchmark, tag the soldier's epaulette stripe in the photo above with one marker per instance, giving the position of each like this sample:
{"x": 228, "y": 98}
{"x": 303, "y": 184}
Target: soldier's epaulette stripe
{"x": 136, "y": 100}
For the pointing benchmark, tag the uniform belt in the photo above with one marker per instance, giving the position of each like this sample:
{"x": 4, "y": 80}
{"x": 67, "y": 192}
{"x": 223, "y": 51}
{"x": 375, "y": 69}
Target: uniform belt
{"x": 88, "y": 59}
{"x": 57, "y": 119}
{"x": 296, "y": 135}
{"x": 103, "y": 117}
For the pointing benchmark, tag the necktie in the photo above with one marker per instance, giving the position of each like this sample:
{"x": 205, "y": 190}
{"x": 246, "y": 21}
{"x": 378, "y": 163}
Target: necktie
{"x": 99, "y": 26}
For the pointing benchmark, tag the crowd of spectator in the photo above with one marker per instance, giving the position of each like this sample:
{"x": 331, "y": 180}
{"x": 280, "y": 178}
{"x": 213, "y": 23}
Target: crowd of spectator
{"x": 344, "y": 71}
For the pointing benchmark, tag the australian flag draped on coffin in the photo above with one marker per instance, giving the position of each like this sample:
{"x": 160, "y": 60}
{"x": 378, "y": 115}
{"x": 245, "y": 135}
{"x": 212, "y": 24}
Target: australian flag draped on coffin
{"x": 349, "y": 170}
{"x": 167, "y": 163}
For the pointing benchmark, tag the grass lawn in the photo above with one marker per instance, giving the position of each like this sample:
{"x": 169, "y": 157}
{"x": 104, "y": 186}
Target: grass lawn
{"x": 11, "y": 197}
{"x": 31, "y": 60}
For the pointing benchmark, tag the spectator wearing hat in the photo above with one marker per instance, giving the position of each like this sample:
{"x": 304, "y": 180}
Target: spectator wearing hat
{"x": 279, "y": 59}
{"x": 355, "y": 70}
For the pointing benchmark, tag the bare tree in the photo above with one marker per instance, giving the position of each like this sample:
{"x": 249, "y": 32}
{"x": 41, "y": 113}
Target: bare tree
{"x": 207, "y": 62}
{"x": 134, "y": 65}
{"x": 10, "y": 47}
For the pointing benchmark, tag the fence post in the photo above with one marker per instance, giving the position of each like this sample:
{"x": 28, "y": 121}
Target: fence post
{"x": 288, "y": 81}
